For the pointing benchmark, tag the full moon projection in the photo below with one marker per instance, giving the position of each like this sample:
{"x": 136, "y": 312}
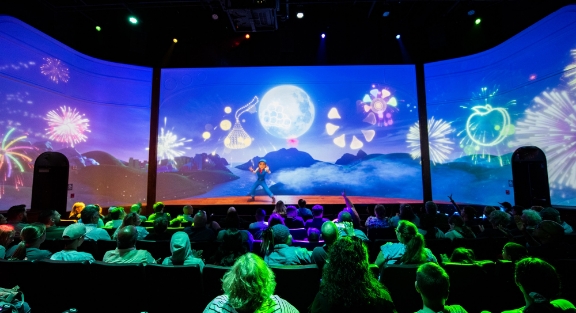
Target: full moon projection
{"x": 286, "y": 112}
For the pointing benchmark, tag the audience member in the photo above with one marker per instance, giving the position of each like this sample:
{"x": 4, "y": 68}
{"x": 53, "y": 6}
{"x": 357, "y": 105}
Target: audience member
{"x": 160, "y": 227}
{"x": 317, "y": 220}
{"x": 407, "y": 214}
{"x": 232, "y": 220}
{"x": 428, "y": 229}
{"x": 292, "y": 220}
{"x": 249, "y": 287}
{"x": 6, "y": 238}
{"x": 134, "y": 220}
{"x": 514, "y": 252}
{"x": 115, "y": 217}
{"x": 76, "y": 211}
{"x": 137, "y": 208}
{"x": 73, "y": 237}
{"x": 506, "y": 206}
{"x": 233, "y": 246}
{"x": 347, "y": 284}
{"x": 18, "y": 218}
{"x": 330, "y": 234}
{"x": 409, "y": 250}
{"x": 234, "y": 224}
{"x": 433, "y": 285}
{"x": 159, "y": 212}
{"x": 275, "y": 219}
{"x": 379, "y": 220}
{"x": 185, "y": 217}
{"x": 280, "y": 208}
{"x": 32, "y": 236}
{"x": 517, "y": 210}
{"x": 394, "y": 216}
{"x": 352, "y": 210}
{"x": 530, "y": 218}
{"x": 126, "y": 251}
{"x": 260, "y": 223}
{"x": 499, "y": 221}
{"x": 277, "y": 249}
{"x": 486, "y": 213}
{"x": 50, "y": 219}
{"x": 468, "y": 215}
{"x": 313, "y": 235}
{"x": 303, "y": 211}
{"x": 551, "y": 214}
{"x": 182, "y": 253}
{"x": 3, "y": 220}
{"x": 458, "y": 229}
{"x": 440, "y": 220}
{"x": 199, "y": 232}
{"x": 463, "y": 256}
{"x": 90, "y": 217}
{"x": 547, "y": 241}
{"x": 344, "y": 221}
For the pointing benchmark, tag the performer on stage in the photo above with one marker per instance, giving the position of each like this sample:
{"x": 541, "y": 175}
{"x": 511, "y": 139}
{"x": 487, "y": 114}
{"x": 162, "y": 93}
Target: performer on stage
{"x": 261, "y": 180}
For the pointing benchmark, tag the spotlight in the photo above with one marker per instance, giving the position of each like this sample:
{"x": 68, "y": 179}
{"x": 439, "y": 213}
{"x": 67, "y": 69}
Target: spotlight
{"x": 398, "y": 36}
{"x": 471, "y": 12}
{"x": 299, "y": 15}
{"x": 133, "y": 20}
{"x": 477, "y": 21}
{"x": 386, "y": 13}
{"x": 98, "y": 28}
{"x": 175, "y": 40}
{"x": 247, "y": 36}
{"x": 323, "y": 35}
{"x": 214, "y": 16}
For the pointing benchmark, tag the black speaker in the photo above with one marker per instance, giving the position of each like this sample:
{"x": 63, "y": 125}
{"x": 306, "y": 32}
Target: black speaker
{"x": 530, "y": 177}
{"x": 50, "y": 182}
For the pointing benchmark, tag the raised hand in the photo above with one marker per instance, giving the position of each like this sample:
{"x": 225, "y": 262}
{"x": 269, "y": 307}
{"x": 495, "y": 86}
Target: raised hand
{"x": 251, "y": 169}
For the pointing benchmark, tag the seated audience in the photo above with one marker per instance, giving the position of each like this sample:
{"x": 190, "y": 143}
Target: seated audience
{"x": 551, "y": 214}
{"x": 433, "y": 285}
{"x": 134, "y": 220}
{"x": 313, "y": 235}
{"x": 3, "y": 220}
{"x": 530, "y": 218}
{"x": 50, "y": 219}
{"x": 159, "y": 212}
{"x": 499, "y": 221}
{"x": 76, "y": 210}
{"x": 277, "y": 249}
{"x": 246, "y": 236}
{"x": 344, "y": 220}
{"x": 352, "y": 210}
{"x": 233, "y": 246}
{"x": 458, "y": 229}
{"x": 32, "y": 236}
{"x": 232, "y": 220}
{"x": 506, "y": 206}
{"x": 428, "y": 229}
{"x": 347, "y": 284}
{"x": 160, "y": 227}
{"x": 440, "y": 220}
{"x": 517, "y": 210}
{"x": 379, "y": 220}
{"x": 18, "y": 218}
{"x": 115, "y": 217}
{"x": 409, "y": 250}
{"x": 6, "y": 238}
{"x": 317, "y": 220}
{"x": 292, "y": 219}
{"x": 199, "y": 232}
{"x": 303, "y": 211}
{"x": 514, "y": 252}
{"x": 90, "y": 217}
{"x": 407, "y": 214}
{"x": 185, "y": 217}
{"x": 260, "y": 223}
{"x": 468, "y": 215}
{"x": 280, "y": 208}
{"x": 275, "y": 219}
{"x": 182, "y": 253}
{"x": 461, "y": 255}
{"x": 330, "y": 234}
{"x": 547, "y": 241}
{"x": 137, "y": 208}
{"x": 249, "y": 287}
{"x": 487, "y": 211}
{"x": 126, "y": 251}
{"x": 394, "y": 216}
{"x": 73, "y": 237}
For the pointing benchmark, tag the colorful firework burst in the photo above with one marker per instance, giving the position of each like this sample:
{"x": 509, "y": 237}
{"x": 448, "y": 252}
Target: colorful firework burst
{"x": 169, "y": 146}
{"x": 570, "y": 72}
{"x": 378, "y": 105}
{"x": 438, "y": 142}
{"x": 11, "y": 158}
{"x": 551, "y": 125}
{"x": 67, "y": 126}
{"x": 55, "y": 69}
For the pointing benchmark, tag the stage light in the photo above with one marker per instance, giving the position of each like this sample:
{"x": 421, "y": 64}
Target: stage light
{"x": 175, "y": 40}
{"x": 98, "y": 28}
{"x": 477, "y": 21}
{"x": 323, "y": 35}
{"x": 247, "y": 36}
{"x": 471, "y": 12}
{"x": 398, "y": 36}
{"x": 299, "y": 15}
{"x": 386, "y": 13}
{"x": 133, "y": 20}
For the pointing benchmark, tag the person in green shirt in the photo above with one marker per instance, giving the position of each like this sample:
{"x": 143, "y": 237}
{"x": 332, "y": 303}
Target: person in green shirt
{"x": 159, "y": 211}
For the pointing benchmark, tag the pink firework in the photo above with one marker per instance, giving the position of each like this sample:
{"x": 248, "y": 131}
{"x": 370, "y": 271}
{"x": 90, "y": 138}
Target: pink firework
{"x": 55, "y": 69}
{"x": 67, "y": 125}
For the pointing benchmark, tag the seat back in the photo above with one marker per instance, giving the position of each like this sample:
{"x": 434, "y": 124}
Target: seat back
{"x": 181, "y": 281}
{"x": 467, "y": 283}
{"x": 399, "y": 280}
{"x": 212, "y": 281}
{"x": 112, "y": 275}
{"x": 21, "y": 273}
{"x": 298, "y": 233}
{"x": 507, "y": 291}
{"x": 439, "y": 246}
{"x": 64, "y": 272}
{"x": 208, "y": 248}
{"x": 566, "y": 269}
{"x": 297, "y": 284}
{"x": 52, "y": 245}
{"x": 381, "y": 233}
{"x": 103, "y": 247}
{"x": 310, "y": 245}
{"x": 158, "y": 248}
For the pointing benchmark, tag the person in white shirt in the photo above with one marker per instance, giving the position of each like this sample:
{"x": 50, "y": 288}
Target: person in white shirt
{"x": 73, "y": 235}
{"x": 90, "y": 217}
{"x": 126, "y": 250}
{"x": 433, "y": 285}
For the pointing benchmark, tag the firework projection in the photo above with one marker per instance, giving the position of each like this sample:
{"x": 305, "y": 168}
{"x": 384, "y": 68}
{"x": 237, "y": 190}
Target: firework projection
{"x": 527, "y": 89}
{"x": 67, "y": 126}
{"x": 55, "y": 70}
{"x": 306, "y": 121}
{"x": 440, "y": 144}
{"x": 169, "y": 146}
{"x": 13, "y": 158}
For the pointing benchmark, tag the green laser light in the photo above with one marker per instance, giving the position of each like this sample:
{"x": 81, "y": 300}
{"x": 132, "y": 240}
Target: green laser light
{"x": 133, "y": 20}
{"x": 477, "y": 21}
{"x": 98, "y": 28}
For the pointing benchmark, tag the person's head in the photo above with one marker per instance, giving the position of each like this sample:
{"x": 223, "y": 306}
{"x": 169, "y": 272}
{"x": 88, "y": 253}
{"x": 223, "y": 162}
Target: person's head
{"x": 380, "y": 211}
{"x": 73, "y": 235}
{"x": 262, "y": 164}
{"x": 158, "y": 207}
{"x": 531, "y": 218}
{"x": 301, "y": 203}
{"x": 49, "y": 217}
{"x": 180, "y": 247}
{"x": 548, "y": 232}
{"x": 330, "y": 233}
{"x": 407, "y": 233}
{"x": 506, "y": 205}
{"x": 90, "y": 214}
{"x": 115, "y": 213}
{"x": 77, "y": 209}
{"x": 17, "y": 213}
{"x": 232, "y": 219}
{"x": 160, "y": 225}
{"x": 187, "y": 210}
{"x": 431, "y": 207}
{"x": 32, "y": 236}
{"x": 468, "y": 213}
{"x": 275, "y": 235}
{"x": 3, "y": 219}
{"x": 499, "y": 218}
{"x": 433, "y": 284}
{"x": 538, "y": 280}
{"x": 514, "y": 252}
{"x": 346, "y": 279}
{"x": 291, "y": 211}
{"x": 131, "y": 219}
{"x": 313, "y": 234}
{"x": 344, "y": 216}
{"x": 136, "y": 208}
{"x": 463, "y": 255}
{"x": 517, "y": 210}
{"x": 200, "y": 219}
{"x": 488, "y": 209}
{"x": 275, "y": 219}
{"x": 455, "y": 221}
{"x": 280, "y": 208}
{"x": 6, "y": 235}
{"x": 550, "y": 214}
{"x": 260, "y": 215}
{"x": 249, "y": 284}
{"x": 317, "y": 211}
{"x": 406, "y": 212}
{"x": 127, "y": 237}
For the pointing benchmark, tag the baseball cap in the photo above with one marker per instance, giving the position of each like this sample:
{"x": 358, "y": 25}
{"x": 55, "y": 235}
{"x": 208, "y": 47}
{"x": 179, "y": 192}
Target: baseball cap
{"x": 74, "y": 231}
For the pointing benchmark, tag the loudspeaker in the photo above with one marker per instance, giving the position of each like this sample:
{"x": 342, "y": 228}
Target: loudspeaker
{"x": 50, "y": 182}
{"x": 530, "y": 177}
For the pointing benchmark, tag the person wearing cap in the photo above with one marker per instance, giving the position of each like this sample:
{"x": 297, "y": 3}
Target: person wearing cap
{"x": 73, "y": 237}
{"x": 261, "y": 180}
{"x": 276, "y": 245}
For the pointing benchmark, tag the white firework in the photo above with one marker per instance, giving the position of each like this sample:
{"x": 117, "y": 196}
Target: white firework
{"x": 55, "y": 69}
{"x": 438, "y": 142}
{"x": 570, "y": 72}
{"x": 169, "y": 146}
{"x": 551, "y": 125}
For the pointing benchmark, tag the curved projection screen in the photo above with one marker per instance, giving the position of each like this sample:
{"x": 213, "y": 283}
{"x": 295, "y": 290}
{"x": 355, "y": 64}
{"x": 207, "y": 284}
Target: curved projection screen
{"x": 483, "y": 107}
{"x": 322, "y": 130}
{"x": 55, "y": 99}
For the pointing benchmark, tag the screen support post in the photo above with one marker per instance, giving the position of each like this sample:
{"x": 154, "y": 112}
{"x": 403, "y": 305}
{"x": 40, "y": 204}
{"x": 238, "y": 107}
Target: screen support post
{"x": 152, "y": 151}
{"x": 423, "y": 124}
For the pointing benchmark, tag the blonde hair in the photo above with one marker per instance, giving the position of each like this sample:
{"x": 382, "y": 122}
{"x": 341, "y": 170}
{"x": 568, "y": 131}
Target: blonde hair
{"x": 6, "y": 231}
{"x": 77, "y": 209}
